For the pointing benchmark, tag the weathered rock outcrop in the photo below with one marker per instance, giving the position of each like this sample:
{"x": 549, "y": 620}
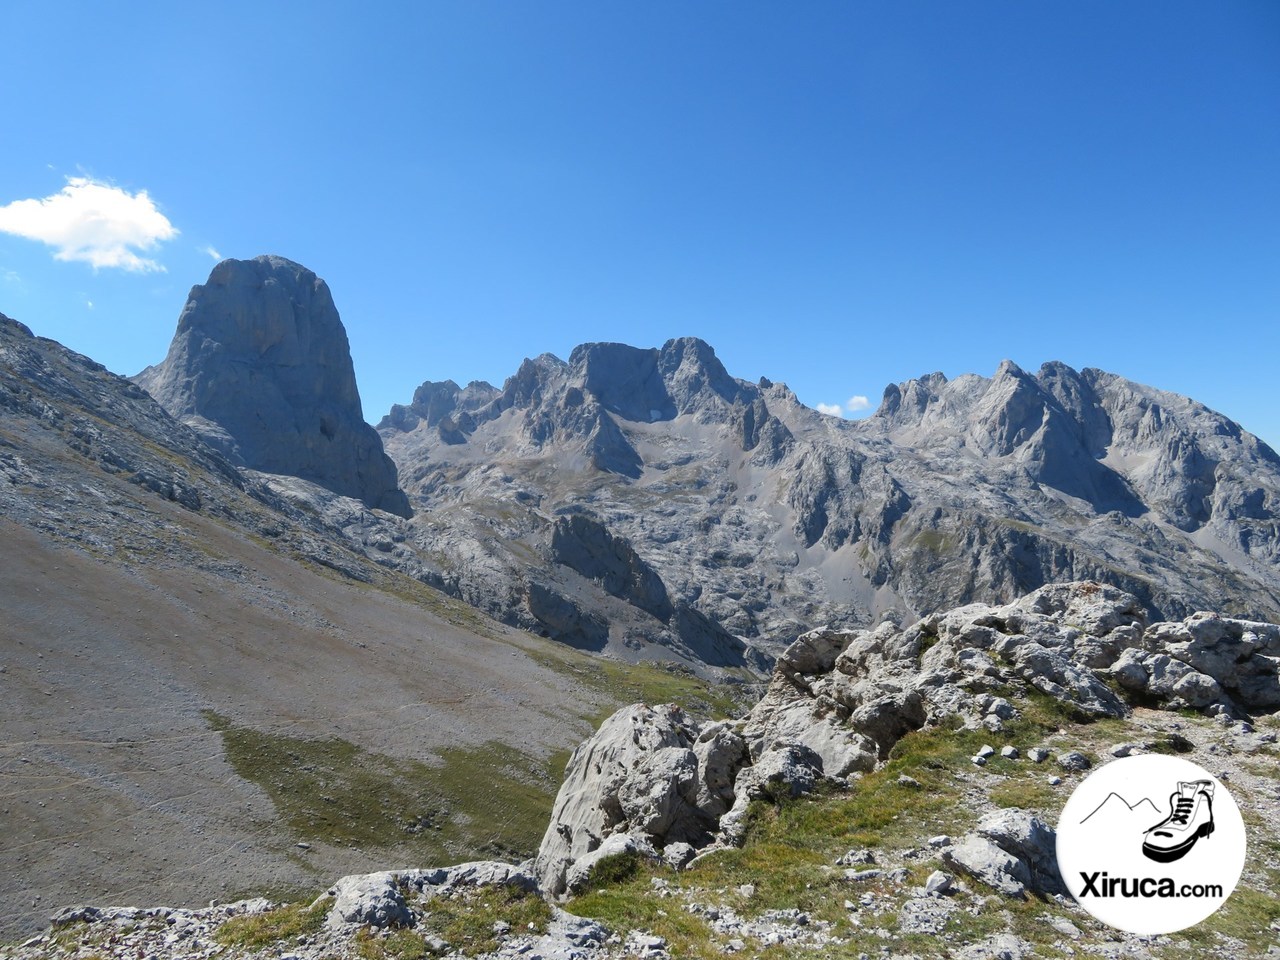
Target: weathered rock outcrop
{"x": 840, "y": 700}
{"x": 647, "y": 778}
{"x": 101, "y": 417}
{"x": 378, "y": 899}
{"x": 1206, "y": 660}
{"x": 851, "y": 695}
{"x": 260, "y": 366}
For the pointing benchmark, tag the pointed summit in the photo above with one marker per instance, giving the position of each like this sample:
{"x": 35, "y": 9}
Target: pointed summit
{"x": 261, "y": 367}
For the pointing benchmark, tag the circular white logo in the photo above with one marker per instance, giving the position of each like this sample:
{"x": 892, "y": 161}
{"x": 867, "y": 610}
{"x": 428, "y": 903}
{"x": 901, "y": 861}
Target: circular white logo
{"x": 1151, "y": 844}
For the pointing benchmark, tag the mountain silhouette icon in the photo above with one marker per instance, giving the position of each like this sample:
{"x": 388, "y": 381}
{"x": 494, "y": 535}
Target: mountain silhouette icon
{"x": 1117, "y": 807}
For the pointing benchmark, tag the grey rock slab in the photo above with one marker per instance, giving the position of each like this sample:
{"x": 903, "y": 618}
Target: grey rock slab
{"x": 928, "y": 915}
{"x": 678, "y": 855}
{"x": 983, "y": 860}
{"x": 858, "y": 876}
{"x": 1066, "y": 927}
{"x": 939, "y": 882}
{"x": 1028, "y": 837}
{"x": 374, "y": 899}
{"x": 1001, "y": 946}
{"x": 476, "y": 873}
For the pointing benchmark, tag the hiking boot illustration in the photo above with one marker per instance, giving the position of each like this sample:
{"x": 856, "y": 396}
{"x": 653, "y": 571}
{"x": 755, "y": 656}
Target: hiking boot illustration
{"x": 1190, "y": 818}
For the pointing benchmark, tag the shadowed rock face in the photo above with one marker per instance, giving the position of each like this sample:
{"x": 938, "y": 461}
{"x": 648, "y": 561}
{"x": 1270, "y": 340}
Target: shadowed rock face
{"x": 260, "y": 366}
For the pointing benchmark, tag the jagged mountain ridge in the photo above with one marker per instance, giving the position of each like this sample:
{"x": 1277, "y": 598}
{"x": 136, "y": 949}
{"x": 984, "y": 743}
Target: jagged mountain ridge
{"x": 769, "y": 518}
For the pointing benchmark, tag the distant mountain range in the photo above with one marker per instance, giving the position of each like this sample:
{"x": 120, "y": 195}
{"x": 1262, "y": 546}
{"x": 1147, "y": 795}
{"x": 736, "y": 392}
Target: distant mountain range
{"x": 647, "y": 503}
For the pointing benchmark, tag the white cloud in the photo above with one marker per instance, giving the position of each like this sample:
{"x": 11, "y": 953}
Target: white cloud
{"x": 857, "y": 403}
{"x": 211, "y": 251}
{"x": 92, "y": 222}
{"x": 89, "y": 304}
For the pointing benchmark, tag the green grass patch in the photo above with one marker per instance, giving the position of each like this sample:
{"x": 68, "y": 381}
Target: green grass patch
{"x": 484, "y": 802}
{"x": 466, "y": 922}
{"x": 934, "y": 541}
{"x": 392, "y": 945}
{"x": 447, "y": 608}
{"x": 283, "y": 923}
{"x": 614, "y": 870}
{"x": 1030, "y": 793}
{"x": 1247, "y": 915}
{"x": 1261, "y": 769}
{"x": 632, "y": 906}
{"x": 1172, "y": 743}
{"x": 623, "y": 683}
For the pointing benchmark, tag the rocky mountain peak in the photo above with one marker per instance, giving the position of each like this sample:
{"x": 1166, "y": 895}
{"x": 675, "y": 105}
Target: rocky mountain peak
{"x": 16, "y": 324}
{"x": 624, "y": 380}
{"x": 261, "y": 367}
{"x": 691, "y": 370}
{"x": 650, "y": 385}
{"x": 905, "y": 403}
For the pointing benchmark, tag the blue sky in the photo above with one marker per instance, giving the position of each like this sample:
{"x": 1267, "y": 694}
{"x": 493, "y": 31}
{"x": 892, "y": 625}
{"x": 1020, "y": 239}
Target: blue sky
{"x": 835, "y": 195}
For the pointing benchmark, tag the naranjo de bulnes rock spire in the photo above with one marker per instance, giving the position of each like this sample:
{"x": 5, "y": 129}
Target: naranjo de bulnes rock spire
{"x": 261, "y": 367}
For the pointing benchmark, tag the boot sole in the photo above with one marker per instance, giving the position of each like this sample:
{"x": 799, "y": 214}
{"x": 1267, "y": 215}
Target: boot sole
{"x": 1169, "y": 854}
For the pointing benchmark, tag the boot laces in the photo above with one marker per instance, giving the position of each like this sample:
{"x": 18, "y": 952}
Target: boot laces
{"x": 1183, "y": 810}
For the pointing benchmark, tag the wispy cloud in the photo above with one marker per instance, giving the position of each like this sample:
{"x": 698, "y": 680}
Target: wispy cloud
{"x": 92, "y": 222}
{"x": 855, "y": 404}
{"x": 211, "y": 251}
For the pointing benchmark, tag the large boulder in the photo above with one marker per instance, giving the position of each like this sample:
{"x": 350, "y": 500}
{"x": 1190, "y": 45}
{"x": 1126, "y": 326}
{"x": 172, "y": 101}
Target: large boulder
{"x": 260, "y": 366}
{"x": 373, "y": 899}
{"x": 643, "y": 775}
